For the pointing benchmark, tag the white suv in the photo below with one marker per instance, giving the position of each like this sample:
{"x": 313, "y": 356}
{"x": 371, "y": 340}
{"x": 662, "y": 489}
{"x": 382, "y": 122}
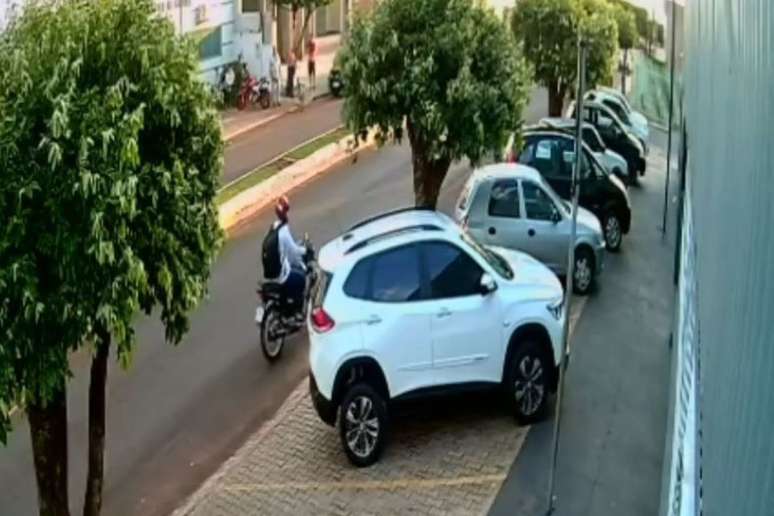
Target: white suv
{"x": 408, "y": 305}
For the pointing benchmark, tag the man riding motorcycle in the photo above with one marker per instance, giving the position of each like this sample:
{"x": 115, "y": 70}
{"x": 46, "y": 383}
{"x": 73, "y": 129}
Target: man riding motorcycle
{"x": 283, "y": 260}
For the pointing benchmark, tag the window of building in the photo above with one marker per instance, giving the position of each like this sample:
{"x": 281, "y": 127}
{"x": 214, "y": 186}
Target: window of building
{"x": 210, "y": 43}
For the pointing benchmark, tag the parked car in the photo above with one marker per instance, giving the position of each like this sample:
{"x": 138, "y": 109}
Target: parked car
{"x": 552, "y": 153}
{"x": 409, "y": 305}
{"x": 513, "y": 206}
{"x": 611, "y": 160}
{"x": 618, "y": 102}
{"x": 615, "y": 135}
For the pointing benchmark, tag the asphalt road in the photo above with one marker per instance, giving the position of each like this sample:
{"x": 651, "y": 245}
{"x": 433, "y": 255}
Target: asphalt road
{"x": 177, "y": 414}
{"x": 247, "y": 151}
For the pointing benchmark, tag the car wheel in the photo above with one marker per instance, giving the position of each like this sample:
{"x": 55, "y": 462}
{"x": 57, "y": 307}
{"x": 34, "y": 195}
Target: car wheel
{"x": 613, "y": 231}
{"x": 583, "y": 273}
{"x": 528, "y": 382}
{"x": 272, "y": 336}
{"x": 363, "y": 425}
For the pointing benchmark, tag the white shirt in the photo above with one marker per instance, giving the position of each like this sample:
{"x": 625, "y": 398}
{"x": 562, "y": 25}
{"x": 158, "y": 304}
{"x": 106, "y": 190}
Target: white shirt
{"x": 291, "y": 254}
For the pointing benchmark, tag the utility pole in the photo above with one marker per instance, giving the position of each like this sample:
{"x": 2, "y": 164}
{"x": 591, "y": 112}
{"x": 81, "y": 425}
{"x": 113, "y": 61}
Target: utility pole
{"x": 575, "y": 192}
{"x": 671, "y": 114}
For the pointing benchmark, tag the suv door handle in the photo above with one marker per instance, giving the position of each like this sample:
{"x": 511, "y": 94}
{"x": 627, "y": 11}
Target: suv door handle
{"x": 444, "y": 312}
{"x": 531, "y": 232}
{"x": 374, "y": 319}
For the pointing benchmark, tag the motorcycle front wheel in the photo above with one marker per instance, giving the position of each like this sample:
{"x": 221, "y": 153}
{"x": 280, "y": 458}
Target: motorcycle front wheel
{"x": 272, "y": 334}
{"x": 265, "y": 101}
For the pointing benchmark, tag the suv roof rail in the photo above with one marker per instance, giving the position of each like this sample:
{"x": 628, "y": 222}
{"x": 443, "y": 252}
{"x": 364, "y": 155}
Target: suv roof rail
{"x": 389, "y": 213}
{"x": 390, "y": 234}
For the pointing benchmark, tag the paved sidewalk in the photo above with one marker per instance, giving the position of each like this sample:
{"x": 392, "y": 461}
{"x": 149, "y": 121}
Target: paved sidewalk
{"x": 614, "y": 417}
{"x": 237, "y": 122}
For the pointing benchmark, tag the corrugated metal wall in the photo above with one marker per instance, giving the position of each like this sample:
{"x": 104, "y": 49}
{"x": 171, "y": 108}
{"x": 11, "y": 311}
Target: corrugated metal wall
{"x": 730, "y": 119}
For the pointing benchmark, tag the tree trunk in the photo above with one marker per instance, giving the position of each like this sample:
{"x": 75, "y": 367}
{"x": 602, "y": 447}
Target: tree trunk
{"x": 298, "y": 44}
{"x": 94, "y": 481}
{"x": 623, "y": 70}
{"x": 555, "y": 99}
{"x": 48, "y": 432}
{"x": 428, "y": 173}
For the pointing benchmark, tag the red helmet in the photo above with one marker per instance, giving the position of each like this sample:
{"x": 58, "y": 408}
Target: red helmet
{"x": 282, "y": 207}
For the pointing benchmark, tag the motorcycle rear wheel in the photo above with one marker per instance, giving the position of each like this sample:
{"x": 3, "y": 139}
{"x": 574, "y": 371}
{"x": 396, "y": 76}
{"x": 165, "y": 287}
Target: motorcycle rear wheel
{"x": 271, "y": 343}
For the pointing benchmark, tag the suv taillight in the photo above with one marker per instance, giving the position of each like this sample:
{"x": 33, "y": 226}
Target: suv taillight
{"x": 321, "y": 321}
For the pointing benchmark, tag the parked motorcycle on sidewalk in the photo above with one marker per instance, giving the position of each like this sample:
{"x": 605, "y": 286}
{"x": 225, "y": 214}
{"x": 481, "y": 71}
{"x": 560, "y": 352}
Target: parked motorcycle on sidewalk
{"x": 275, "y": 317}
{"x": 254, "y": 92}
{"x": 336, "y": 83}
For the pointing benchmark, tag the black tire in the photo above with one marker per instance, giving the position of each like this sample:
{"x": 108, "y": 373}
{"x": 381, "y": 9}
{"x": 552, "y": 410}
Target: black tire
{"x": 584, "y": 271}
{"x": 364, "y": 424}
{"x": 528, "y": 382}
{"x": 613, "y": 231}
{"x": 265, "y": 101}
{"x": 272, "y": 348}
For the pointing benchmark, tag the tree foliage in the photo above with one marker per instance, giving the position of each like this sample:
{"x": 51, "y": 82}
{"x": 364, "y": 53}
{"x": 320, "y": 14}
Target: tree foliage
{"x": 447, "y": 69}
{"x": 111, "y": 155}
{"x": 627, "y": 28}
{"x": 548, "y": 31}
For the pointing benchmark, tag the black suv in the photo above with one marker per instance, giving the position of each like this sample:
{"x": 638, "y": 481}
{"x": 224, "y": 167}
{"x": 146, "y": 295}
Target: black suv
{"x": 552, "y": 154}
{"x": 616, "y": 136}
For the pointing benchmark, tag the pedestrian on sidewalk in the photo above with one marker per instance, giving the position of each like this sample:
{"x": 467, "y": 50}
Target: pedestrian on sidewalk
{"x": 311, "y": 51}
{"x": 274, "y": 73}
{"x": 291, "y": 73}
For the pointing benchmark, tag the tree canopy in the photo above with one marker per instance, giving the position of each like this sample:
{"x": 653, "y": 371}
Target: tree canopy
{"x": 627, "y": 28}
{"x": 446, "y": 70}
{"x": 548, "y": 31}
{"x": 111, "y": 155}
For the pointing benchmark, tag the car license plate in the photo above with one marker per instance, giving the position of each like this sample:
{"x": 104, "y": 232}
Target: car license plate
{"x": 259, "y": 315}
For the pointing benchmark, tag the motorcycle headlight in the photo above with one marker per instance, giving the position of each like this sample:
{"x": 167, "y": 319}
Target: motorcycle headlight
{"x": 555, "y": 308}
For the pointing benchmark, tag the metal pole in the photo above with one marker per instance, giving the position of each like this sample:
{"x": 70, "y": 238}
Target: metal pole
{"x": 575, "y": 191}
{"x": 671, "y": 110}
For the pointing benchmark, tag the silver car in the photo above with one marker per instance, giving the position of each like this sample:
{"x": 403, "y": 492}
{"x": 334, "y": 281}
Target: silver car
{"x": 511, "y": 205}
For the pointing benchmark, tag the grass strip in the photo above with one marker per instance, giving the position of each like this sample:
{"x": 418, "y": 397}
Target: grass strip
{"x": 266, "y": 171}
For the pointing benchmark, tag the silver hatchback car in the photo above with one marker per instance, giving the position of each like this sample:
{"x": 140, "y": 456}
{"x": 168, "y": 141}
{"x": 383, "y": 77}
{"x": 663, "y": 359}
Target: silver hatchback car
{"x": 511, "y": 205}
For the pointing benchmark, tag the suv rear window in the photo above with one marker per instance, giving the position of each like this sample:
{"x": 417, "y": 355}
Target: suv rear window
{"x": 357, "y": 282}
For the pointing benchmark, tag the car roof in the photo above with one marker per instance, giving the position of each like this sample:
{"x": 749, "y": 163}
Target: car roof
{"x": 383, "y": 231}
{"x": 507, "y": 170}
{"x": 561, "y": 123}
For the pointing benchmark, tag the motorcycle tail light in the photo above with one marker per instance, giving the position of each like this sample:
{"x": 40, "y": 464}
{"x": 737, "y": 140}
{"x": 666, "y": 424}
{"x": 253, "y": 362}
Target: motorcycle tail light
{"x": 321, "y": 321}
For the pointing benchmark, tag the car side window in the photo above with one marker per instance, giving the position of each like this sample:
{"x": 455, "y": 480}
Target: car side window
{"x": 356, "y": 285}
{"x": 504, "y": 199}
{"x": 544, "y": 154}
{"x": 451, "y": 272}
{"x": 395, "y": 277}
{"x": 537, "y": 203}
{"x": 591, "y": 139}
{"x": 617, "y": 109}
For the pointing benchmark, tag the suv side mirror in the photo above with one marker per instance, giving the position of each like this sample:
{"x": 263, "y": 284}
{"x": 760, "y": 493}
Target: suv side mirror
{"x": 556, "y": 217}
{"x": 487, "y": 285}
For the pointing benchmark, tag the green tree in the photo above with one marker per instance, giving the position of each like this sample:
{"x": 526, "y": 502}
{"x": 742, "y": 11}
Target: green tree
{"x": 296, "y": 6}
{"x": 446, "y": 70}
{"x": 627, "y": 38}
{"x": 548, "y": 31}
{"x": 111, "y": 155}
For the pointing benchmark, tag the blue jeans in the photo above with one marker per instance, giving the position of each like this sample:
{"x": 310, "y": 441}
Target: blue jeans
{"x": 293, "y": 291}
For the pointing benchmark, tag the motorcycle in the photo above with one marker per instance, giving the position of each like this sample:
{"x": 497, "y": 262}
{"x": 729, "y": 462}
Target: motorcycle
{"x": 255, "y": 92}
{"x": 274, "y": 316}
{"x": 336, "y": 83}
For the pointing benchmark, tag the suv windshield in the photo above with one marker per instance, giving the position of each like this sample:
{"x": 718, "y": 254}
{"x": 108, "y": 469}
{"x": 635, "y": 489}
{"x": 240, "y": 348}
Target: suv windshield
{"x": 497, "y": 262}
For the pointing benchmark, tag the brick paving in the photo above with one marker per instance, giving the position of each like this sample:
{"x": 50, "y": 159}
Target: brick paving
{"x": 438, "y": 460}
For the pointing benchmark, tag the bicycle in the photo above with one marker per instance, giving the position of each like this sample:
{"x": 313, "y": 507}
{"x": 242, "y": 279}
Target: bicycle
{"x": 299, "y": 92}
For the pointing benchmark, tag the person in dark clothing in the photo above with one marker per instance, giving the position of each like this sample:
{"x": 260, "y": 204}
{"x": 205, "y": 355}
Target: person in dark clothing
{"x": 291, "y": 74}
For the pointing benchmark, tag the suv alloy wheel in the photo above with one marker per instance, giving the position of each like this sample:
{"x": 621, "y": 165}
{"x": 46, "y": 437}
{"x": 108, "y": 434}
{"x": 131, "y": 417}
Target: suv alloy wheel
{"x": 363, "y": 424}
{"x": 528, "y": 382}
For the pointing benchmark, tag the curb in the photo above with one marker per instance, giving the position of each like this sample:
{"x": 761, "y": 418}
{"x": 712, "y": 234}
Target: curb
{"x": 246, "y": 204}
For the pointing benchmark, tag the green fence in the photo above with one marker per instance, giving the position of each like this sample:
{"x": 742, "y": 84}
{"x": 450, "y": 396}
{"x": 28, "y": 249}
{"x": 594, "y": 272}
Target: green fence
{"x": 650, "y": 91}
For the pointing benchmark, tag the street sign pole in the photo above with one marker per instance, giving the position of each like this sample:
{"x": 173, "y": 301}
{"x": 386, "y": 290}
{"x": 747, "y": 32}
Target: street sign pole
{"x": 575, "y": 190}
{"x": 671, "y": 114}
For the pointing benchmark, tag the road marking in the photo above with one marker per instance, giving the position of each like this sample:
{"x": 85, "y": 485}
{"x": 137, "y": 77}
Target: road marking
{"x": 369, "y": 485}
